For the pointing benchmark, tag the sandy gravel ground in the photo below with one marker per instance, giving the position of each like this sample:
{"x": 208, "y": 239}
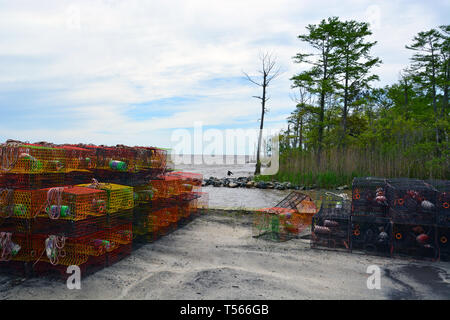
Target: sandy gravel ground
{"x": 216, "y": 257}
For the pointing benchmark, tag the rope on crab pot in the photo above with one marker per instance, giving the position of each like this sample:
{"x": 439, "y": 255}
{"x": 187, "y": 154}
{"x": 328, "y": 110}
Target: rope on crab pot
{"x": 8, "y": 201}
{"x": 10, "y": 156}
{"x": 8, "y": 247}
{"x": 95, "y": 184}
{"x": 54, "y": 211}
{"x": 54, "y": 246}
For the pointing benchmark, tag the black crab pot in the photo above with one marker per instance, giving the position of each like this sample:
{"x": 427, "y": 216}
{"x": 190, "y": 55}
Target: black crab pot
{"x": 330, "y": 226}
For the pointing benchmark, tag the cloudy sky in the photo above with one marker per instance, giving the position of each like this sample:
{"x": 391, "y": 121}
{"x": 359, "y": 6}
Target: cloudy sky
{"x": 111, "y": 71}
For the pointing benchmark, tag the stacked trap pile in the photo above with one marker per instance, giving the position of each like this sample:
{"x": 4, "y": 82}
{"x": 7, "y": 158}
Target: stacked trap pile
{"x": 63, "y": 205}
{"x": 402, "y": 217}
{"x": 370, "y": 226}
{"x": 166, "y": 203}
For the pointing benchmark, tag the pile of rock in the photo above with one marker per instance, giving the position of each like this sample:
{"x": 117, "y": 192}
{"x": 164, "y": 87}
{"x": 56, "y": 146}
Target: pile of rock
{"x": 249, "y": 182}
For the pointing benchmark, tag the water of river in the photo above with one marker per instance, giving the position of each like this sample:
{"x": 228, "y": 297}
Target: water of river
{"x": 240, "y": 166}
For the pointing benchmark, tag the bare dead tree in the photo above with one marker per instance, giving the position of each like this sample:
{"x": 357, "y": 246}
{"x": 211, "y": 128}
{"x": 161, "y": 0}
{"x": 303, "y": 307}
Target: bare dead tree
{"x": 269, "y": 71}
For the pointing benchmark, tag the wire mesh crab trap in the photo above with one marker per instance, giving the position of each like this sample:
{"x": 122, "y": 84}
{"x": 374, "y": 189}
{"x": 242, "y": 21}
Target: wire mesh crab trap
{"x": 72, "y": 203}
{"x": 15, "y": 246}
{"x": 121, "y": 238}
{"x": 371, "y": 235}
{"x": 78, "y": 158}
{"x": 143, "y": 230}
{"x": 28, "y": 158}
{"x": 415, "y": 240}
{"x": 27, "y": 181}
{"x": 59, "y": 271}
{"x": 369, "y": 197}
{"x": 54, "y": 251}
{"x": 411, "y": 201}
{"x": 330, "y": 226}
{"x": 119, "y": 197}
{"x": 443, "y": 238}
{"x": 277, "y": 224}
{"x": 443, "y": 201}
{"x": 143, "y": 194}
{"x": 69, "y": 228}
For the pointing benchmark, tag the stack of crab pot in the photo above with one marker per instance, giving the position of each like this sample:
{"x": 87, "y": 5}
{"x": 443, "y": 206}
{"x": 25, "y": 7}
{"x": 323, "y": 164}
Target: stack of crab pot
{"x": 412, "y": 209}
{"x": 41, "y": 212}
{"x": 442, "y": 217}
{"x": 371, "y": 227}
{"x": 166, "y": 203}
{"x": 73, "y": 205}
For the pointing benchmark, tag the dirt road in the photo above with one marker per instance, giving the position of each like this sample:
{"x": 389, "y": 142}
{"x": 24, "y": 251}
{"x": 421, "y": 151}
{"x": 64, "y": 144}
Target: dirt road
{"x": 215, "y": 257}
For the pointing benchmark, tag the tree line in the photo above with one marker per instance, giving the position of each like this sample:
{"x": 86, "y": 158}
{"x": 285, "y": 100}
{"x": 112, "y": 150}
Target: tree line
{"x": 343, "y": 125}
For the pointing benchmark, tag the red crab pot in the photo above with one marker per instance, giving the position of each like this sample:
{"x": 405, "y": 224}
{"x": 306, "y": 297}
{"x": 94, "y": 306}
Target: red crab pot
{"x": 330, "y": 228}
{"x": 411, "y": 201}
{"x": 443, "y": 240}
{"x": 69, "y": 228}
{"x": 29, "y": 181}
{"x": 118, "y": 254}
{"x": 443, "y": 201}
{"x": 46, "y": 269}
{"x": 371, "y": 235}
{"x": 415, "y": 240}
{"x": 369, "y": 197}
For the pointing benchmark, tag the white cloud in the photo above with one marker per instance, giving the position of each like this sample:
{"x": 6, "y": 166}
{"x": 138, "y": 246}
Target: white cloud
{"x": 97, "y": 59}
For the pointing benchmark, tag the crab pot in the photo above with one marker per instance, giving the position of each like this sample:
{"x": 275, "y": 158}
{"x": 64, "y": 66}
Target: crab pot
{"x": 15, "y": 268}
{"x": 17, "y": 246}
{"x": 159, "y": 220}
{"x": 27, "y": 181}
{"x": 118, "y": 254}
{"x": 76, "y": 177}
{"x": 119, "y": 235}
{"x": 77, "y": 203}
{"x": 90, "y": 266}
{"x": 371, "y": 235}
{"x": 28, "y": 158}
{"x": 143, "y": 194}
{"x": 277, "y": 224}
{"x": 69, "y": 228}
{"x": 79, "y": 158}
{"x": 190, "y": 180}
{"x": 69, "y": 250}
{"x": 369, "y": 197}
{"x": 186, "y": 213}
{"x": 158, "y": 158}
{"x": 443, "y": 201}
{"x": 411, "y": 201}
{"x": 119, "y": 197}
{"x": 149, "y": 158}
{"x": 414, "y": 240}
{"x": 16, "y": 225}
{"x": 330, "y": 226}
{"x": 119, "y": 218}
{"x": 111, "y": 158}
{"x": 166, "y": 187}
{"x": 144, "y": 222}
{"x": 293, "y": 201}
{"x": 443, "y": 239}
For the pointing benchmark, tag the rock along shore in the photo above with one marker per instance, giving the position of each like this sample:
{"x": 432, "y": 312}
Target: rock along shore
{"x": 249, "y": 182}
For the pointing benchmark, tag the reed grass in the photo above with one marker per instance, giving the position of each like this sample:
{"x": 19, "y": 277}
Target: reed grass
{"x": 338, "y": 167}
